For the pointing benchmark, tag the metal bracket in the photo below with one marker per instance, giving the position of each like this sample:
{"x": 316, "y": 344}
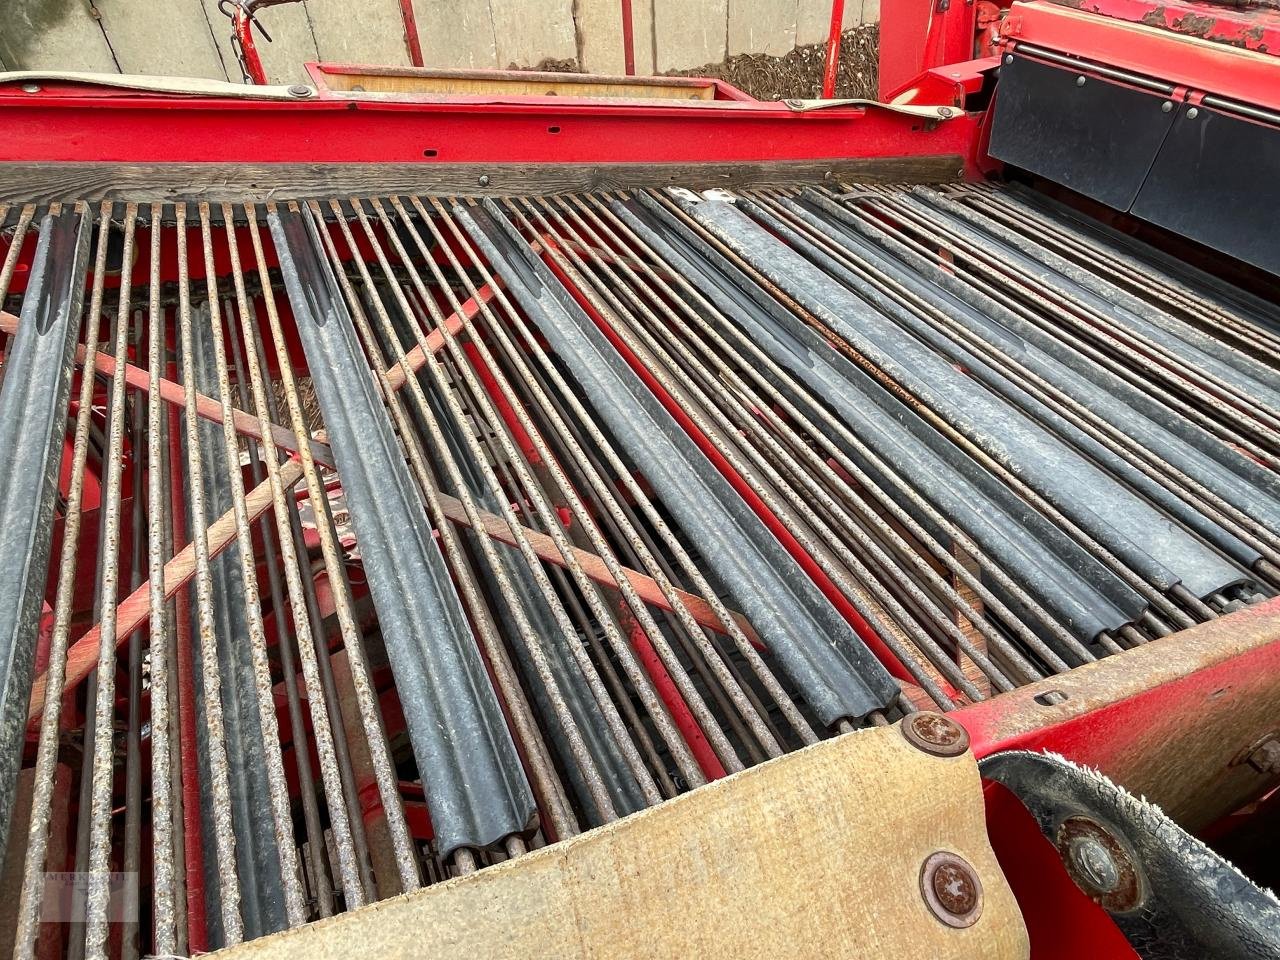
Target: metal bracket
{"x": 186, "y": 86}
{"x": 910, "y": 110}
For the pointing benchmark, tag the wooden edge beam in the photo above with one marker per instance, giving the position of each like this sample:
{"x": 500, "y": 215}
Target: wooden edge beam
{"x": 67, "y": 181}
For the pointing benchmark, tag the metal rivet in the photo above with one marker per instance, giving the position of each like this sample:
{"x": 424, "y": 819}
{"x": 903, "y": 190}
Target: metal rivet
{"x": 1009, "y": 58}
{"x": 944, "y": 111}
{"x": 1192, "y": 113}
{"x": 936, "y": 734}
{"x": 484, "y": 179}
{"x": 1166, "y": 106}
{"x": 31, "y": 88}
{"x": 1080, "y": 81}
{"x": 951, "y": 889}
{"x": 300, "y": 90}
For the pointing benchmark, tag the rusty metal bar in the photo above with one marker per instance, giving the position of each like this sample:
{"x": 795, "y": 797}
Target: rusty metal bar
{"x": 366, "y": 696}
{"x": 104, "y": 748}
{"x": 28, "y": 918}
{"x": 354, "y": 891}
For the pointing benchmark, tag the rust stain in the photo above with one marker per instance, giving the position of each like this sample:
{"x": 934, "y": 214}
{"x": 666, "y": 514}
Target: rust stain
{"x": 1155, "y": 17}
{"x": 1195, "y": 25}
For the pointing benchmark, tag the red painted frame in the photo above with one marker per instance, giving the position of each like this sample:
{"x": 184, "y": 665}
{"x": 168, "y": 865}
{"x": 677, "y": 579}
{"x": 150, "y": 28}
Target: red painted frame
{"x": 71, "y": 123}
{"x": 1188, "y": 61}
{"x": 1249, "y": 27}
{"x": 1064, "y": 924}
{"x": 919, "y": 35}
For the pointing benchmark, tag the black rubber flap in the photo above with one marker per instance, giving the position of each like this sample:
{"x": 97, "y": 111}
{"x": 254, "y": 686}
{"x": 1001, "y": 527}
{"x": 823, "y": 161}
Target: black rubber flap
{"x": 1217, "y": 181}
{"x": 1098, "y": 138}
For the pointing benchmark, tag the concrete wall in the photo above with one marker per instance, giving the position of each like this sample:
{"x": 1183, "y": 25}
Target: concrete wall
{"x": 191, "y": 38}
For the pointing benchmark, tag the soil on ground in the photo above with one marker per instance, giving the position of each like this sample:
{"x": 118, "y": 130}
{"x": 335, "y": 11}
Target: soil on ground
{"x": 799, "y": 73}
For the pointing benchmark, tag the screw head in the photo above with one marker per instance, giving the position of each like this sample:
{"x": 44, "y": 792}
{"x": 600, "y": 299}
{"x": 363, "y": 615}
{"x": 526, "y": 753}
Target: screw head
{"x": 1192, "y": 113}
{"x": 484, "y": 180}
{"x": 951, "y": 890}
{"x": 1166, "y": 106}
{"x": 300, "y": 90}
{"x": 1080, "y": 81}
{"x": 1092, "y": 862}
{"x": 936, "y": 734}
{"x": 1099, "y": 864}
{"x": 1008, "y": 58}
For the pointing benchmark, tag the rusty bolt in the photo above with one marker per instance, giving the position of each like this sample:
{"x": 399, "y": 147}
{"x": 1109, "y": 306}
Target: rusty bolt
{"x": 1263, "y": 755}
{"x": 1099, "y": 864}
{"x": 936, "y": 734}
{"x": 1266, "y": 759}
{"x": 484, "y": 179}
{"x": 951, "y": 889}
{"x": 1093, "y": 864}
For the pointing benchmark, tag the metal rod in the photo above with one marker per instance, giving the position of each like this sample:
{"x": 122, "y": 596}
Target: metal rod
{"x": 27, "y": 925}
{"x": 164, "y": 855}
{"x": 366, "y": 697}
{"x": 831, "y": 62}
{"x": 103, "y": 750}
{"x": 219, "y": 787}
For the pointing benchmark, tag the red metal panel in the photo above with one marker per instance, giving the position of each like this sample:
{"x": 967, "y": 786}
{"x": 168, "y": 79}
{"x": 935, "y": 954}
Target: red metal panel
{"x": 1247, "y": 26}
{"x": 1244, "y": 75}
{"x": 947, "y": 85}
{"x": 75, "y": 127}
{"x": 917, "y": 35}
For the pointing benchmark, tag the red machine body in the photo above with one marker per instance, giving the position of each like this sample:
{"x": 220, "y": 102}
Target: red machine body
{"x": 932, "y": 54}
